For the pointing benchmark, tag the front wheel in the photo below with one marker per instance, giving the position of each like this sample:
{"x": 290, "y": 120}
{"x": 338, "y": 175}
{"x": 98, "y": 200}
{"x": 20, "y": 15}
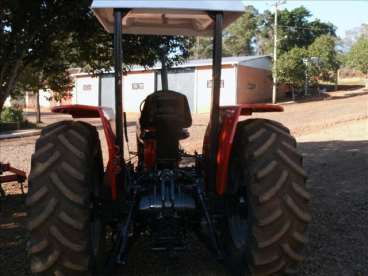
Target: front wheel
{"x": 267, "y": 201}
{"x": 66, "y": 232}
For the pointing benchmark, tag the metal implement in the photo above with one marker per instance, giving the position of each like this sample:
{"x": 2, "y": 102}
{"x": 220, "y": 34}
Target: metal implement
{"x": 13, "y": 175}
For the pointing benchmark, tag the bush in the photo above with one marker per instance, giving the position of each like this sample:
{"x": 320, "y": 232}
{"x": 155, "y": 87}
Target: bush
{"x": 11, "y": 114}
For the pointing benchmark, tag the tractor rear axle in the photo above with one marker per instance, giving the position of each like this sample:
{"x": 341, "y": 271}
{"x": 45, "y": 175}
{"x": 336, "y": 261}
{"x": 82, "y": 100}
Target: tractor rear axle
{"x": 166, "y": 205}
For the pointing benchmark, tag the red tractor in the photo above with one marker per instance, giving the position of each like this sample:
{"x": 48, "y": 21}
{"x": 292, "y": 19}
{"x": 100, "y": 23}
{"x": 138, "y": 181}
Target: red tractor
{"x": 245, "y": 195}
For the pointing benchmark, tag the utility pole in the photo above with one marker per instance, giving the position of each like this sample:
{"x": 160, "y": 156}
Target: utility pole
{"x": 306, "y": 62}
{"x": 274, "y": 87}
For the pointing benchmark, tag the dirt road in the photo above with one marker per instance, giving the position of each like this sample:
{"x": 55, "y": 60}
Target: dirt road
{"x": 334, "y": 141}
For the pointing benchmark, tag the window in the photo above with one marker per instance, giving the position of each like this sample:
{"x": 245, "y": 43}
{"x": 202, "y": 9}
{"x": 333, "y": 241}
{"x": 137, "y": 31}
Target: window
{"x": 137, "y": 86}
{"x": 252, "y": 86}
{"x": 209, "y": 84}
{"x": 87, "y": 87}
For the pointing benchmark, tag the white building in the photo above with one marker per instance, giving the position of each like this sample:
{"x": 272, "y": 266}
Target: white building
{"x": 244, "y": 80}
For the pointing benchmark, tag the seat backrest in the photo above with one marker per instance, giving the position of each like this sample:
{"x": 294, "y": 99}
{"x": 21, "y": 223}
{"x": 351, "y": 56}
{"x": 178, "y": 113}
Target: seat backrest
{"x": 166, "y": 108}
{"x": 168, "y": 113}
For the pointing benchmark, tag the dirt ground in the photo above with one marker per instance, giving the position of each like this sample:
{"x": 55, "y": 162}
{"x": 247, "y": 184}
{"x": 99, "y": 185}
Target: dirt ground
{"x": 333, "y": 138}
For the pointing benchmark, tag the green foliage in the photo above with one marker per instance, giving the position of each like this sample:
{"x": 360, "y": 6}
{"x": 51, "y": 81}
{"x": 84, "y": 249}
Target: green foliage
{"x": 53, "y": 76}
{"x": 253, "y": 33}
{"x": 357, "y": 58}
{"x": 201, "y": 48}
{"x": 291, "y": 68}
{"x": 324, "y": 50}
{"x": 239, "y": 37}
{"x": 322, "y": 63}
{"x": 295, "y": 29}
{"x": 11, "y": 114}
{"x": 352, "y": 36}
{"x": 48, "y": 37}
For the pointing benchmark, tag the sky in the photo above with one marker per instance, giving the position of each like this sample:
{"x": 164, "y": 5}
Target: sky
{"x": 345, "y": 15}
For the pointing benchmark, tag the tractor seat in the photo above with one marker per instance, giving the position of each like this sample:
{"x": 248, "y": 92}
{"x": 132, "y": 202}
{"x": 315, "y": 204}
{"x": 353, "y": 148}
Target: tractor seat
{"x": 166, "y": 111}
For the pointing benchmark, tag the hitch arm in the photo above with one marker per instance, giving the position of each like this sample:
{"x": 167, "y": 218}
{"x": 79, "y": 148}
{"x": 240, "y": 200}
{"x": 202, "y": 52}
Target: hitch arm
{"x": 119, "y": 252}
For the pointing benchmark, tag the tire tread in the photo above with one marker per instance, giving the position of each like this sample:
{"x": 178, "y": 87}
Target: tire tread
{"x": 59, "y": 203}
{"x": 278, "y": 210}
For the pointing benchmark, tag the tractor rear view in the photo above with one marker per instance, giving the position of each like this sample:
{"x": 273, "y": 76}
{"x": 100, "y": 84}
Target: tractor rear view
{"x": 244, "y": 196}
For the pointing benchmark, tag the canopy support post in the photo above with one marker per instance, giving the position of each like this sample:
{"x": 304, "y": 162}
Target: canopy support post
{"x": 118, "y": 61}
{"x": 164, "y": 74}
{"x": 216, "y": 87}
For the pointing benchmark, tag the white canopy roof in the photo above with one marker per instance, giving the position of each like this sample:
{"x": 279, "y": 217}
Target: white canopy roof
{"x": 170, "y": 17}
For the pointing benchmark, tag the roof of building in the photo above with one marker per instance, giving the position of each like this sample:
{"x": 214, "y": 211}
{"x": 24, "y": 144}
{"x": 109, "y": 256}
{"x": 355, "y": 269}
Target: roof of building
{"x": 242, "y": 60}
{"x": 260, "y": 62}
{"x": 189, "y": 18}
{"x": 249, "y": 61}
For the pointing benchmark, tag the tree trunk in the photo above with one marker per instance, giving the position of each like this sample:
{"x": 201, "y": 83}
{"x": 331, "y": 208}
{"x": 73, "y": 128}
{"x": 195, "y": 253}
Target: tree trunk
{"x": 2, "y": 101}
{"x": 337, "y": 80}
{"x": 10, "y": 81}
{"x": 38, "y": 108}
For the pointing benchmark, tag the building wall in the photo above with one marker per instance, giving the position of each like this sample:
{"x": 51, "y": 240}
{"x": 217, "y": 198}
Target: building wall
{"x": 45, "y": 103}
{"x": 107, "y": 91}
{"x": 241, "y": 84}
{"x": 7, "y": 102}
{"x": 86, "y": 91}
{"x": 137, "y": 86}
{"x": 44, "y": 98}
{"x": 254, "y": 85}
{"x": 203, "y": 92}
{"x": 182, "y": 80}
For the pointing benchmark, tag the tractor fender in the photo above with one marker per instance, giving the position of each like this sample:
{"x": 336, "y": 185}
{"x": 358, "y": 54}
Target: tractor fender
{"x": 107, "y": 116}
{"x": 229, "y": 121}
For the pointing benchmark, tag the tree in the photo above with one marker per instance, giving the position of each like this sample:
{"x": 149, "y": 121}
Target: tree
{"x": 201, "y": 48}
{"x": 34, "y": 33}
{"x": 253, "y": 33}
{"x": 239, "y": 37}
{"x": 51, "y": 77}
{"x": 291, "y": 68}
{"x": 351, "y": 36}
{"x": 294, "y": 28}
{"x": 357, "y": 58}
{"x": 324, "y": 50}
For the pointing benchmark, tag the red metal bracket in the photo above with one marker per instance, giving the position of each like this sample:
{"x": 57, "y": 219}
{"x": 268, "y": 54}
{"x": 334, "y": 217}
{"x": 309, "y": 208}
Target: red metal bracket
{"x": 229, "y": 121}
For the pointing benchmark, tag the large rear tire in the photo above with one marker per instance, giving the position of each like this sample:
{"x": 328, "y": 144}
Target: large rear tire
{"x": 66, "y": 232}
{"x": 266, "y": 203}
